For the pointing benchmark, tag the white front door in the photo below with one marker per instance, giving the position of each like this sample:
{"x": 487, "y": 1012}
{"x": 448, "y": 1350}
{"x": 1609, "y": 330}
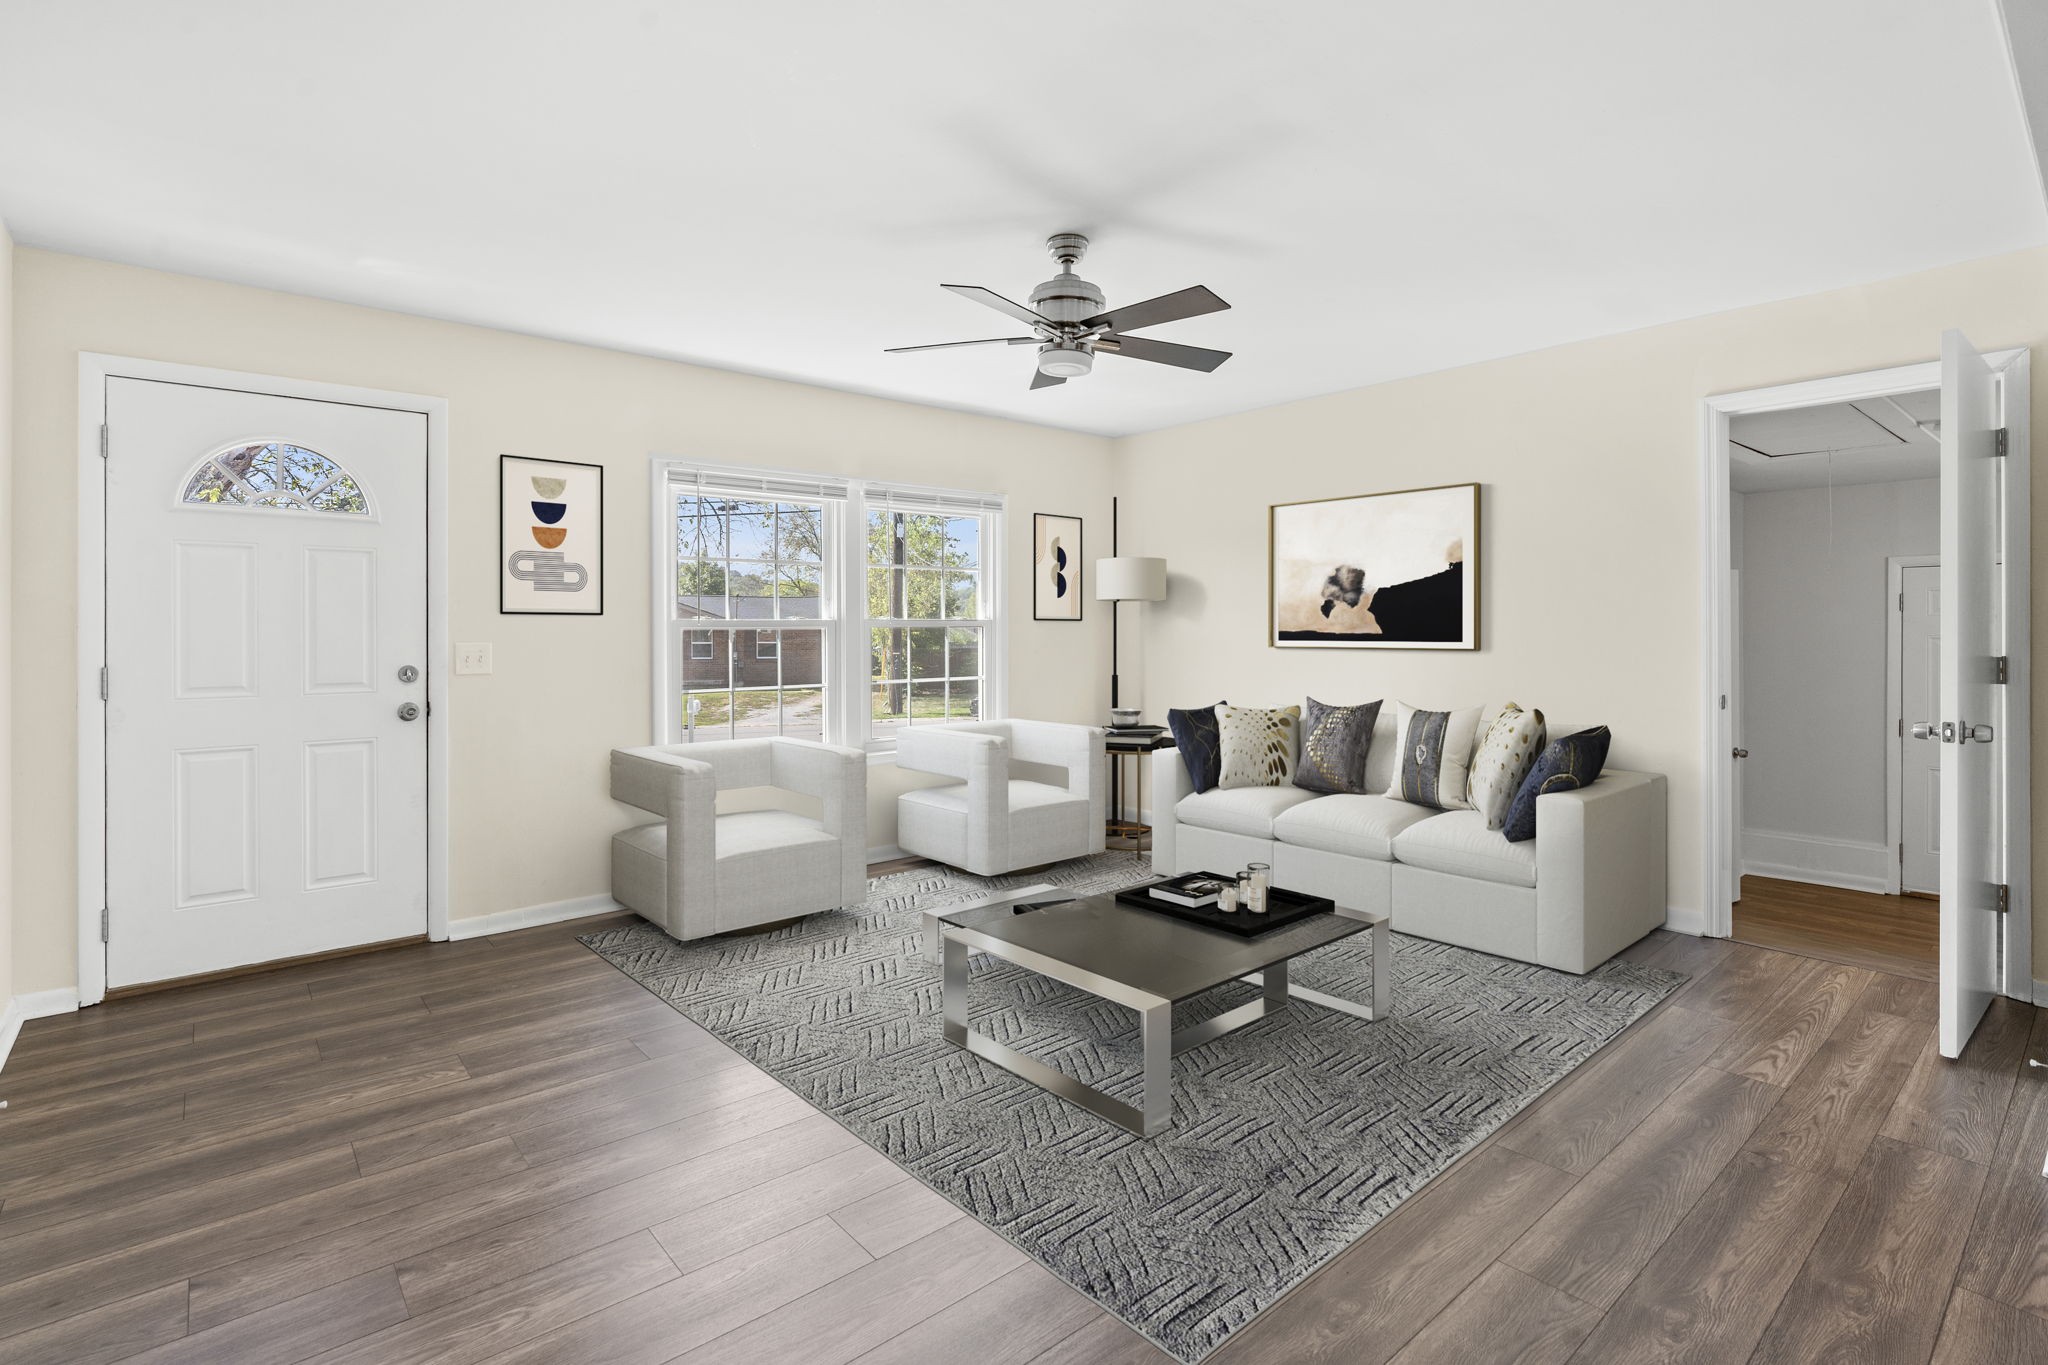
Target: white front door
{"x": 1920, "y": 700}
{"x": 1971, "y": 847}
{"x": 266, "y": 622}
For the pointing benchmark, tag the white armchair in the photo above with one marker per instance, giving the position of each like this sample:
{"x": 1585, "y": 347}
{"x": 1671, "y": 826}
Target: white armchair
{"x": 749, "y": 867}
{"x": 988, "y": 822}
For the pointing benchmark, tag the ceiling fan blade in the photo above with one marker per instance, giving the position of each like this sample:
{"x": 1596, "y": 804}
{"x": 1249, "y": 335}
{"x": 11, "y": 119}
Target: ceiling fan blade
{"x": 1191, "y": 302}
{"x": 1041, "y": 380}
{"x": 997, "y": 302}
{"x": 947, "y": 345}
{"x": 1164, "y": 352}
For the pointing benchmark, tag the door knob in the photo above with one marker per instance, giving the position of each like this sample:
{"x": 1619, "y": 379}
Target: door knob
{"x": 1742, "y": 753}
{"x": 409, "y": 711}
{"x": 408, "y": 674}
{"x": 1980, "y": 733}
{"x": 1923, "y": 729}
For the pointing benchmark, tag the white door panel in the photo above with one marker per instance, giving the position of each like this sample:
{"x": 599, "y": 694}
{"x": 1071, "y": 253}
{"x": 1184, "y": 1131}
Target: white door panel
{"x": 264, "y": 798}
{"x": 1971, "y": 866}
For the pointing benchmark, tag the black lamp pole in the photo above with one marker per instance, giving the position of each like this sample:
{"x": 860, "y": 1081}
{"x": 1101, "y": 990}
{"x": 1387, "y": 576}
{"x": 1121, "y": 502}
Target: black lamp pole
{"x": 1115, "y": 609}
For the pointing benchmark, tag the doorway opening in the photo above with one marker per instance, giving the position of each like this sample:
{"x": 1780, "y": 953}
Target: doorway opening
{"x": 1835, "y": 534}
{"x": 1979, "y": 727}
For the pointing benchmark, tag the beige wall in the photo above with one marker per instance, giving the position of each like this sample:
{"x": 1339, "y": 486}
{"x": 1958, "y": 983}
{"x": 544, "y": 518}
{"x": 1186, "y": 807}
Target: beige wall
{"x": 1589, "y": 457}
{"x": 564, "y": 690}
{"x": 7, "y": 984}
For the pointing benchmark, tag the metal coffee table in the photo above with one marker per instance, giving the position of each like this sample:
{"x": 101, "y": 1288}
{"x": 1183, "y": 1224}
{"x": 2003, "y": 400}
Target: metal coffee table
{"x": 1145, "y": 961}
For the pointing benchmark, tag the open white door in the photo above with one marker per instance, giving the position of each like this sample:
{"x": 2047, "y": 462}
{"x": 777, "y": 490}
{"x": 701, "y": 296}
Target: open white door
{"x": 1971, "y": 862}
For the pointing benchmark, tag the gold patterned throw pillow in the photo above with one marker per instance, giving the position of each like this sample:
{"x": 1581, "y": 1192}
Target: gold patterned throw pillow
{"x": 1503, "y": 758}
{"x": 1259, "y": 744}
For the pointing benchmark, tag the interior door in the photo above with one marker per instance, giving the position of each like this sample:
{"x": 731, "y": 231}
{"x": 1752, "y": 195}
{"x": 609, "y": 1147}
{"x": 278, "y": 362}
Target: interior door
{"x": 266, "y": 689}
{"x": 1735, "y": 729}
{"x": 1919, "y": 690}
{"x": 1970, "y": 536}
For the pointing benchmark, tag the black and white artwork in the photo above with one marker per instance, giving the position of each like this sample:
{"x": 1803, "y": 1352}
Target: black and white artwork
{"x": 1055, "y": 567}
{"x": 1379, "y": 571}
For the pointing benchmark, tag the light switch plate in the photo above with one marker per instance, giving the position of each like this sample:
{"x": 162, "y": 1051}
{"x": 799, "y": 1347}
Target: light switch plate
{"x": 472, "y": 658}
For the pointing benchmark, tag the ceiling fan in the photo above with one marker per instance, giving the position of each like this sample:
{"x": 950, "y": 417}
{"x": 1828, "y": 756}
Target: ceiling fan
{"x": 1069, "y": 323}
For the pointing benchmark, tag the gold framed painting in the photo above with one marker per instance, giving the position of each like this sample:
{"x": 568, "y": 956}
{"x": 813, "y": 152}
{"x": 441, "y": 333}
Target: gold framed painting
{"x": 1376, "y": 571}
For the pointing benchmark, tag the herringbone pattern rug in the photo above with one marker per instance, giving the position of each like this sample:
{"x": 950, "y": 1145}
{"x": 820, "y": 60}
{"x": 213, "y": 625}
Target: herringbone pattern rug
{"x": 1290, "y": 1138}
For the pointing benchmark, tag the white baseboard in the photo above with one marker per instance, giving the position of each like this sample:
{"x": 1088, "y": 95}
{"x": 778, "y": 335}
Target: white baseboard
{"x": 885, "y": 853}
{"x": 34, "y": 1005}
{"x": 1684, "y": 920}
{"x": 2041, "y": 992}
{"x": 530, "y": 916}
{"x": 1846, "y": 863}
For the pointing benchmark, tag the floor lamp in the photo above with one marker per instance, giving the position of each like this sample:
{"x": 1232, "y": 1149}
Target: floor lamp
{"x": 1120, "y": 579}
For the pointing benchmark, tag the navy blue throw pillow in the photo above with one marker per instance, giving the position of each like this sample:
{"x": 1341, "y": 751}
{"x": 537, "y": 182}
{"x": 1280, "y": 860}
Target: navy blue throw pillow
{"x": 1200, "y": 744}
{"x": 1567, "y": 765}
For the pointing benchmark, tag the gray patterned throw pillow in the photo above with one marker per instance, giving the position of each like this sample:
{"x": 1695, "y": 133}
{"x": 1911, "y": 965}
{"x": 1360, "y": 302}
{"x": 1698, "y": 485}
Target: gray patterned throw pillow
{"x": 1334, "y": 743}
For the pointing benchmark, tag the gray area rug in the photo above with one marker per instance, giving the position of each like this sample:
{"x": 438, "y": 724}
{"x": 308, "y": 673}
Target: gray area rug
{"x": 1290, "y": 1138}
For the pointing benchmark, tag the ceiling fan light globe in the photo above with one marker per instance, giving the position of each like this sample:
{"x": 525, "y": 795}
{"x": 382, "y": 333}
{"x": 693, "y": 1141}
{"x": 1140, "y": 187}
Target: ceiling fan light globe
{"x": 1064, "y": 362}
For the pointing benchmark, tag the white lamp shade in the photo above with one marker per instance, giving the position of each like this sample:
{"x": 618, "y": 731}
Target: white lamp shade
{"x": 1130, "y": 578}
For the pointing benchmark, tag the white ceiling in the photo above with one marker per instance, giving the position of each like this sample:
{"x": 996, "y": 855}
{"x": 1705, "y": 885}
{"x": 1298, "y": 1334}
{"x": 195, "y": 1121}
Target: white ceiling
{"x": 1380, "y": 189}
{"x": 1880, "y": 440}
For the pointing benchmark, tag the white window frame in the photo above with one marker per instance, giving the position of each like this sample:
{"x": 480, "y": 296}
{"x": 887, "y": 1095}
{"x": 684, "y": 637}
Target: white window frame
{"x": 843, "y": 600}
{"x": 924, "y": 500}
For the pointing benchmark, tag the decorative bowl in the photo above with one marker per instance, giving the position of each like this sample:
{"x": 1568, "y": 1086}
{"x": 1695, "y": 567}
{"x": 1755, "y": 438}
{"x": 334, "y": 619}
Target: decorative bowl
{"x": 1125, "y": 715}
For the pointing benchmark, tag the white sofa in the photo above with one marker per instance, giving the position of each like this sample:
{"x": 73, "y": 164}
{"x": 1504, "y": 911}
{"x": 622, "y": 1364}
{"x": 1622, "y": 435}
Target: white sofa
{"x": 698, "y": 873}
{"x": 989, "y": 822}
{"x": 1589, "y": 884}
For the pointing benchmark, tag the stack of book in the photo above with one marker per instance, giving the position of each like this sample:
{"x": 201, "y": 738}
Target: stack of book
{"x": 1136, "y": 731}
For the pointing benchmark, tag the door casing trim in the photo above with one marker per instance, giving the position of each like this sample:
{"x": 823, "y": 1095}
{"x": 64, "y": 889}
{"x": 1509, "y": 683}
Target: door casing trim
{"x": 94, "y": 370}
{"x": 2013, "y": 365}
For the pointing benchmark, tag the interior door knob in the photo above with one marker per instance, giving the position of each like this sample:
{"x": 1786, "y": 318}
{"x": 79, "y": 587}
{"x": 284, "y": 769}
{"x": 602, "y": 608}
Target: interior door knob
{"x": 1923, "y": 729}
{"x": 1742, "y": 753}
{"x": 409, "y": 711}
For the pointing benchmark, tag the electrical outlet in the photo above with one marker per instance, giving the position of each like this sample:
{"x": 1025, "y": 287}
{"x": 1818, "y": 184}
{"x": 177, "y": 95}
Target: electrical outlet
{"x": 473, "y": 658}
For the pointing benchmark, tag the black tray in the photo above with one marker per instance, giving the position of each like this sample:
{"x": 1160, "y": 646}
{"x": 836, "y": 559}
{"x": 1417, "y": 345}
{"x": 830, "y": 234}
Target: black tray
{"x": 1282, "y": 908}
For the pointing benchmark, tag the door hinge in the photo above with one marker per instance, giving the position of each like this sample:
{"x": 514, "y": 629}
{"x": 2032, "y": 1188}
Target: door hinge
{"x": 103, "y": 682}
{"x": 1902, "y": 727}
{"x": 1998, "y": 442}
{"x": 103, "y": 440}
{"x": 103, "y": 924}
{"x": 2003, "y": 899}
{"x": 1999, "y": 664}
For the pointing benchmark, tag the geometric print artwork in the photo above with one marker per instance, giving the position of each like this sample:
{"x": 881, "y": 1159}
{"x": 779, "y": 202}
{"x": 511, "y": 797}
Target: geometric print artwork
{"x": 1260, "y": 745}
{"x": 1290, "y": 1138}
{"x": 550, "y": 536}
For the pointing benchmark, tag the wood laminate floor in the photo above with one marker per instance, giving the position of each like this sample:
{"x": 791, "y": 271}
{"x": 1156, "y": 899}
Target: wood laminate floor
{"x": 502, "y": 1150}
{"x": 1897, "y": 934}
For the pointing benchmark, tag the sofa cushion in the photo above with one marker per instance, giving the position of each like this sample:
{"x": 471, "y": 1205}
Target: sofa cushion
{"x": 1249, "y": 811}
{"x": 1334, "y": 743}
{"x": 1568, "y": 764}
{"x": 1507, "y": 748}
{"x": 1433, "y": 756}
{"x": 1459, "y": 843}
{"x": 1199, "y": 742}
{"x": 1260, "y": 744}
{"x": 1362, "y": 826}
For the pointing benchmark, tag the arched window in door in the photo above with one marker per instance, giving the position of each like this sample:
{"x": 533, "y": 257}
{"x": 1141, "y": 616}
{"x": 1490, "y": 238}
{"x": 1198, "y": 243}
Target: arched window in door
{"x": 275, "y": 474}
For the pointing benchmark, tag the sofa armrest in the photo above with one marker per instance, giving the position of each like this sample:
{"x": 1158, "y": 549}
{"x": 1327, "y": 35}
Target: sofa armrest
{"x": 1170, "y": 784}
{"x": 684, "y": 791}
{"x": 1600, "y": 868}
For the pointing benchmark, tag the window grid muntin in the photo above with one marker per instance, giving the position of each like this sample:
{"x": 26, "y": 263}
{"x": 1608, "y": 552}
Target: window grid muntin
{"x": 268, "y": 484}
